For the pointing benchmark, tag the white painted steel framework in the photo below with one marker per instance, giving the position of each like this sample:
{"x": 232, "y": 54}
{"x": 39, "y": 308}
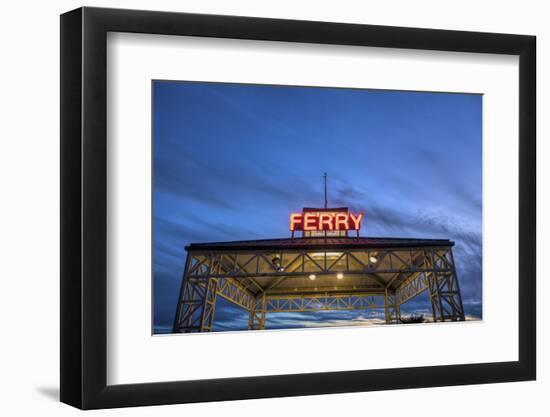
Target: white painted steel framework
{"x": 267, "y": 280}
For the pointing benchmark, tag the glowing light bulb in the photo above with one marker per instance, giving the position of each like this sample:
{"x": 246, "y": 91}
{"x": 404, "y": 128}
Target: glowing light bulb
{"x": 339, "y": 275}
{"x": 373, "y": 259}
{"x": 312, "y": 277}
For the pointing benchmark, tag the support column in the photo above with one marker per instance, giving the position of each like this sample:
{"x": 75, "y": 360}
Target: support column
{"x": 209, "y": 306}
{"x": 435, "y": 298}
{"x": 196, "y": 306}
{"x": 256, "y": 318}
{"x": 456, "y": 289}
{"x": 445, "y": 292}
{"x": 391, "y": 307}
{"x": 451, "y": 301}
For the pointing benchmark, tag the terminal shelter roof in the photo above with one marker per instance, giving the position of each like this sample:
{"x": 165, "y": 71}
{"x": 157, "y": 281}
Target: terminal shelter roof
{"x": 318, "y": 265}
{"x": 309, "y": 243}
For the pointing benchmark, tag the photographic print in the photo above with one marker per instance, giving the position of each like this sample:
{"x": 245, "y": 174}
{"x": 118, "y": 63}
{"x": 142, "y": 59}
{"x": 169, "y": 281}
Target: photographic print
{"x": 294, "y": 207}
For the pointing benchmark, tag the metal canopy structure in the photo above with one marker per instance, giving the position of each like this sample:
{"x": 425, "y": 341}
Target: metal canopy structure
{"x": 316, "y": 274}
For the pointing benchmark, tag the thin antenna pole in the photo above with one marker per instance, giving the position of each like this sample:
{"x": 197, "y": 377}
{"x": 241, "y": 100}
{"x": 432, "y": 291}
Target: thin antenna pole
{"x": 325, "y": 178}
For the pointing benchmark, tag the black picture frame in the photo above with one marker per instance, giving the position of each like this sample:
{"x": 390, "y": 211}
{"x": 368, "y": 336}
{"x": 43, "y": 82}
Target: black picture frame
{"x": 84, "y": 207}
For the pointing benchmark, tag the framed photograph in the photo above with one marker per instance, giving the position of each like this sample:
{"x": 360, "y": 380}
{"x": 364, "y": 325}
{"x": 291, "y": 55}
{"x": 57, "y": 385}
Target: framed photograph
{"x": 257, "y": 208}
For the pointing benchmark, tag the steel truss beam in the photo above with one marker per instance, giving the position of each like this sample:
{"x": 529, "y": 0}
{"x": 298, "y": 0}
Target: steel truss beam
{"x": 232, "y": 276}
{"x": 332, "y": 302}
{"x": 296, "y": 263}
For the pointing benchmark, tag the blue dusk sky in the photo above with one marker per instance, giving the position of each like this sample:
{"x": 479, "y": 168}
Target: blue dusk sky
{"x": 232, "y": 161}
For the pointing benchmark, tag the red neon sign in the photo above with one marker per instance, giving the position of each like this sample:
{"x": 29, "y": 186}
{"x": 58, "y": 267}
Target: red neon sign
{"x": 324, "y": 221}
